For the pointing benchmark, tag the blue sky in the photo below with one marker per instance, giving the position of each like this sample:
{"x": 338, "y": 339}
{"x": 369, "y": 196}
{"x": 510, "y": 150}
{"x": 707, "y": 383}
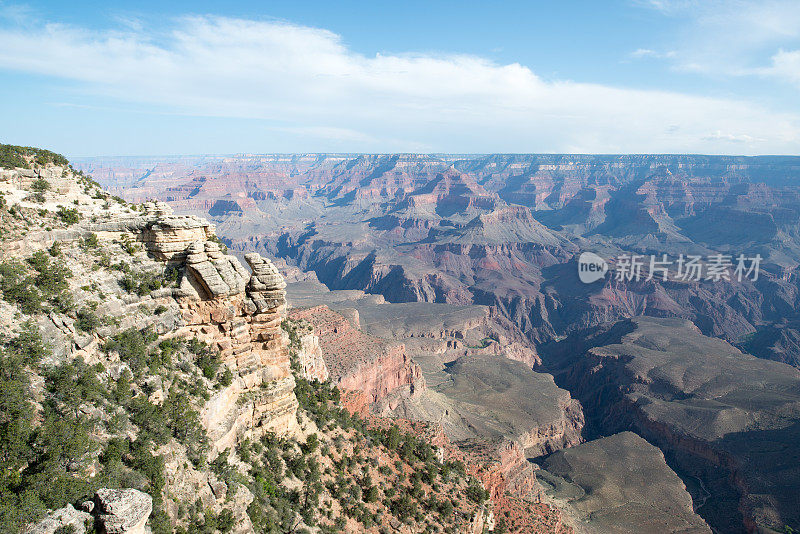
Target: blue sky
{"x": 98, "y": 78}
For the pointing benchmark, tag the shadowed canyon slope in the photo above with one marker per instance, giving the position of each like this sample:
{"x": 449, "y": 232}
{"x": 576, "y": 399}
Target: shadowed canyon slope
{"x": 728, "y": 420}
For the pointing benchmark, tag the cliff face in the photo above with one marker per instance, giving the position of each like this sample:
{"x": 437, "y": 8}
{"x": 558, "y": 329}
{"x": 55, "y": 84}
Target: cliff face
{"x": 239, "y": 314}
{"x": 712, "y": 407}
{"x": 371, "y": 369}
{"x": 309, "y": 355}
{"x": 505, "y": 470}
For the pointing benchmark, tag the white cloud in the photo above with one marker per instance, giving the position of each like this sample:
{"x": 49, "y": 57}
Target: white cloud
{"x": 725, "y": 136}
{"x": 306, "y": 81}
{"x": 640, "y": 53}
{"x": 785, "y": 65}
{"x": 731, "y": 37}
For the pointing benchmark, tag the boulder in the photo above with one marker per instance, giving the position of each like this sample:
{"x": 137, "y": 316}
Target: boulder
{"x": 63, "y": 517}
{"x": 123, "y": 511}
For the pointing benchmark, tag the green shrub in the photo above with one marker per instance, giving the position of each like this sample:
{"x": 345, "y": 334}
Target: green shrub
{"x": 40, "y": 185}
{"x": 31, "y": 291}
{"x": 68, "y": 215}
{"x": 207, "y": 359}
{"x": 71, "y": 385}
{"x": 476, "y": 493}
{"x": 19, "y": 288}
{"x": 140, "y": 283}
{"x": 29, "y": 345}
{"x": 90, "y": 240}
{"x": 227, "y": 378}
{"x": 88, "y": 321}
{"x": 132, "y": 345}
{"x": 52, "y": 277}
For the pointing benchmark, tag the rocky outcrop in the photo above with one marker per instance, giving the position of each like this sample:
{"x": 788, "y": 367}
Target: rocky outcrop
{"x": 112, "y": 511}
{"x": 123, "y": 511}
{"x": 215, "y": 274}
{"x": 237, "y": 313}
{"x": 246, "y": 328}
{"x": 266, "y": 287}
{"x": 312, "y": 363}
{"x": 61, "y": 519}
{"x": 505, "y": 468}
{"x": 166, "y": 236}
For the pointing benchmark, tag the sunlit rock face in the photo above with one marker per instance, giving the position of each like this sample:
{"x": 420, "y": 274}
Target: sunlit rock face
{"x": 234, "y": 311}
{"x": 245, "y": 326}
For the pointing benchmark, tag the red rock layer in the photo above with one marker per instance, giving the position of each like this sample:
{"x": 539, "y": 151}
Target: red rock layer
{"x": 369, "y": 369}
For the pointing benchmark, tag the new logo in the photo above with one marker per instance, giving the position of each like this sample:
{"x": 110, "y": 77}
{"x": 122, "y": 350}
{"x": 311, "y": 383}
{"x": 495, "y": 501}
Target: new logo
{"x": 591, "y": 267}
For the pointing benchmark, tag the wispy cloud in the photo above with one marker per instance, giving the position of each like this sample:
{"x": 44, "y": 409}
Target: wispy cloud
{"x": 640, "y": 53}
{"x": 785, "y": 65}
{"x": 306, "y": 81}
{"x": 733, "y": 37}
{"x": 727, "y": 136}
{"x": 15, "y": 13}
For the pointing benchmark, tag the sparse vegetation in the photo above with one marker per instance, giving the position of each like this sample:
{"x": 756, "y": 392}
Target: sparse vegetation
{"x": 88, "y": 321}
{"x": 17, "y": 156}
{"x": 39, "y": 187}
{"x": 68, "y": 216}
{"x": 140, "y": 283}
{"x": 35, "y": 283}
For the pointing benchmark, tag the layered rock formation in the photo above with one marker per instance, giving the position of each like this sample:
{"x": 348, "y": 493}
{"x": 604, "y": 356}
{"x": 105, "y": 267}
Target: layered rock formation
{"x": 246, "y": 328}
{"x": 367, "y": 366}
{"x": 119, "y": 310}
{"x": 214, "y": 273}
{"x": 165, "y": 235}
{"x": 505, "y": 468}
{"x": 728, "y": 420}
{"x": 235, "y": 312}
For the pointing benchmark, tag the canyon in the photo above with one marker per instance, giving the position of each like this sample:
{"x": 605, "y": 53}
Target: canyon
{"x": 504, "y": 230}
{"x": 187, "y": 361}
{"x": 445, "y": 288}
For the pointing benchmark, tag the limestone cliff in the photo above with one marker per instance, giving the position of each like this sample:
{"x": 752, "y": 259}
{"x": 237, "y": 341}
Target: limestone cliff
{"x": 309, "y": 355}
{"x": 239, "y": 314}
